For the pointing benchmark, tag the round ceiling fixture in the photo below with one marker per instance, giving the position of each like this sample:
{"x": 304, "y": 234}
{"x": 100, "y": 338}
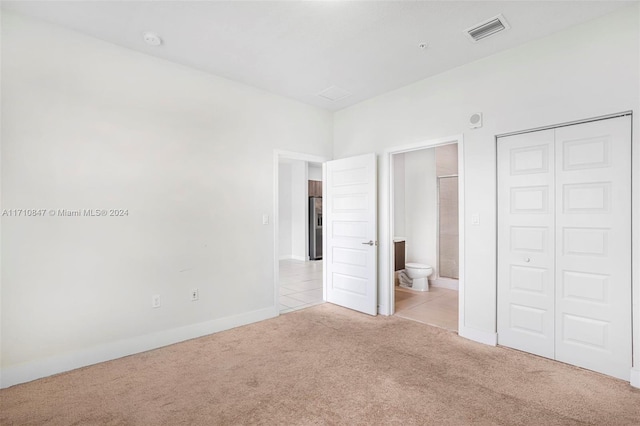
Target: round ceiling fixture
{"x": 152, "y": 38}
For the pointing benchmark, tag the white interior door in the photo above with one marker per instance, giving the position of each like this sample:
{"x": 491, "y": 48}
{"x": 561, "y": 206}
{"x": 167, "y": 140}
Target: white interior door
{"x": 526, "y": 252}
{"x": 351, "y": 233}
{"x": 564, "y": 244}
{"x": 593, "y": 240}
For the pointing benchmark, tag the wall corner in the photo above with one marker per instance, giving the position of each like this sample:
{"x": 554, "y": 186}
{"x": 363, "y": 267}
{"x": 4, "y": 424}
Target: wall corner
{"x": 480, "y": 336}
{"x": 635, "y": 377}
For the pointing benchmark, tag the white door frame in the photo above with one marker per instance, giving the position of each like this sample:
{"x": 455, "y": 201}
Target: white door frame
{"x": 386, "y": 285}
{"x": 277, "y": 156}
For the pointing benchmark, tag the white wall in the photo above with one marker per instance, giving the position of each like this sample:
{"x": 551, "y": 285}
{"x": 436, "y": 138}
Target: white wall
{"x": 285, "y": 206}
{"x": 299, "y": 209}
{"x": 399, "y": 218}
{"x": 315, "y": 171}
{"x": 293, "y": 210}
{"x": 89, "y": 125}
{"x": 586, "y": 71}
{"x": 421, "y": 207}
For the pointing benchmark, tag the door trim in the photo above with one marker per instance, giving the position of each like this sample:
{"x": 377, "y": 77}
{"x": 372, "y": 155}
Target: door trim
{"x": 386, "y": 285}
{"x": 565, "y": 124}
{"x": 277, "y": 156}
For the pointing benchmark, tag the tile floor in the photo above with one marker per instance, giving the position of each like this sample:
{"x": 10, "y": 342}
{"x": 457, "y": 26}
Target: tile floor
{"x": 300, "y": 284}
{"x": 301, "y": 287}
{"x": 438, "y": 306}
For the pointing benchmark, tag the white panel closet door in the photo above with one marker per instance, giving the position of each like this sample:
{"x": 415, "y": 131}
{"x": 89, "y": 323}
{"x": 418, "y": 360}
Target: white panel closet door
{"x": 526, "y": 253}
{"x": 564, "y": 244}
{"x": 593, "y": 240}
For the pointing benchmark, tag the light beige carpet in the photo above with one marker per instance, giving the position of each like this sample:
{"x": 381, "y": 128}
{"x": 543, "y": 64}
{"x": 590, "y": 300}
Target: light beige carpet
{"x": 325, "y": 365}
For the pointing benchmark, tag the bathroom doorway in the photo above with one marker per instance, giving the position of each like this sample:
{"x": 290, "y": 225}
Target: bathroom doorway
{"x": 425, "y": 210}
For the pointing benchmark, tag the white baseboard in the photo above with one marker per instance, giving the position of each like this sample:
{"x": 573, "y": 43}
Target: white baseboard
{"x": 293, "y": 257}
{"x": 480, "y": 336}
{"x": 635, "y": 377}
{"x": 449, "y": 283}
{"x": 22, "y": 373}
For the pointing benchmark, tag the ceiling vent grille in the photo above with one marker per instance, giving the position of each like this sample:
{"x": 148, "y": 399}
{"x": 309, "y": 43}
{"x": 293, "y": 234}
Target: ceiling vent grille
{"x": 487, "y": 28}
{"x": 334, "y": 93}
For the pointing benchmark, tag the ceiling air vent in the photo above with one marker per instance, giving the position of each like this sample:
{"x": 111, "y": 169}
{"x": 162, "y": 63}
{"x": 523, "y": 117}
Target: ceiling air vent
{"x": 487, "y": 28}
{"x": 334, "y": 93}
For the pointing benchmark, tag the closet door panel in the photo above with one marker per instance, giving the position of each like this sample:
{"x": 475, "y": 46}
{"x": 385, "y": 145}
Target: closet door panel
{"x": 593, "y": 240}
{"x": 526, "y": 205}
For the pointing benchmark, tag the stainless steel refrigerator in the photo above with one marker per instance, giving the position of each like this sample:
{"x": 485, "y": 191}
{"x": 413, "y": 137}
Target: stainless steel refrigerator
{"x": 315, "y": 228}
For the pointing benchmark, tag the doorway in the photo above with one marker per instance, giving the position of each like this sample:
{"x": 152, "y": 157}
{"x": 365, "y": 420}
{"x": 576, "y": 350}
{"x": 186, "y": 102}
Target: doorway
{"x": 298, "y": 272}
{"x": 434, "y": 228}
{"x": 349, "y": 273}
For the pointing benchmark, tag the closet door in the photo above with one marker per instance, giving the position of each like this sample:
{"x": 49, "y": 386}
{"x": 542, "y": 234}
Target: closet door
{"x": 593, "y": 240}
{"x": 526, "y": 254}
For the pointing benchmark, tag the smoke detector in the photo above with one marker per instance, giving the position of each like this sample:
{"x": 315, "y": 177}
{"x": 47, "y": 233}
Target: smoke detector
{"x": 151, "y": 38}
{"x": 487, "y": 28}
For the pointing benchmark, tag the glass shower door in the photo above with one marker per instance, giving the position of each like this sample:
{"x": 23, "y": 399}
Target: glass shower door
{"x": 448, "y": 226}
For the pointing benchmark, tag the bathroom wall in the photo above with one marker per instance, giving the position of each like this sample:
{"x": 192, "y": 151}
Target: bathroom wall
{"x": 399, "y": 199}
{"x": 421, "y": 202}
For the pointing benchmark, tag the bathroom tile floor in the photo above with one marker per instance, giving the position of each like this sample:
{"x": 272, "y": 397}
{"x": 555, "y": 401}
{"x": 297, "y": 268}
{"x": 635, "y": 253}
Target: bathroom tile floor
{"x": 301, "y": 287}
{"x": 438, "y": 306}
{"x": 300, "y": 284}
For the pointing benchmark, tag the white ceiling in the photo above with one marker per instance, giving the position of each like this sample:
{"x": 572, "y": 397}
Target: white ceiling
{"x": 300, "y": 48}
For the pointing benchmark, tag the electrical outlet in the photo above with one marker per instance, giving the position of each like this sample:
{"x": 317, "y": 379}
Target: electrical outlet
{"x": 194, "y": 295}
{"x": 155, "y": 301}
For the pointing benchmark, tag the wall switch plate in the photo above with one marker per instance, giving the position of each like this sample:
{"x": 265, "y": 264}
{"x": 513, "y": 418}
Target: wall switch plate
{"x": 475, "y": 219}
{"x": 265, "y": 219}
{"x": 155, "y": 301}
{"x": 195, "y": 294}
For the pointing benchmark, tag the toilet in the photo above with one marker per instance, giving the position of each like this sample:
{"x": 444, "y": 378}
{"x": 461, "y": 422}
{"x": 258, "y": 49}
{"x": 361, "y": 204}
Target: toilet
{"x": 416, "y": 276}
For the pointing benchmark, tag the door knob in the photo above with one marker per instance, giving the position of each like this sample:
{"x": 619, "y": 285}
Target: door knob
{"x": 526, "y": 259}
{"x": 369, "y": 243}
